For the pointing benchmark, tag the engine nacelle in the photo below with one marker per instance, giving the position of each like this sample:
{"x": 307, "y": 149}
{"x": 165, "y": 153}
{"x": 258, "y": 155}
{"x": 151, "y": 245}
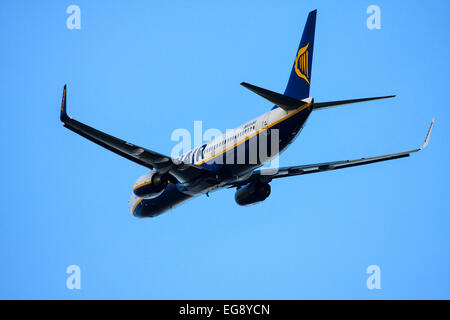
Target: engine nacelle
{"x": 150, "y": 185}
{"x": 252, "y": 193}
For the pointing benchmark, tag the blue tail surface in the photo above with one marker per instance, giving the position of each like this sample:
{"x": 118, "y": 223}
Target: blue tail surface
{"x": 300, "y": 78}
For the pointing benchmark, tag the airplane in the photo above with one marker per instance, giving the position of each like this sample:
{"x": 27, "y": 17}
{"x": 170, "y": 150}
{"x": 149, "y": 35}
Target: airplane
{"x": 234, "y": 159}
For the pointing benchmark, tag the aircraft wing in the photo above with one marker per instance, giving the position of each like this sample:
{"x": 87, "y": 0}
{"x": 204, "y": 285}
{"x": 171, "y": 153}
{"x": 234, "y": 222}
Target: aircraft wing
{"x": 130, "y": 151}
{"x": 268, "y": 174}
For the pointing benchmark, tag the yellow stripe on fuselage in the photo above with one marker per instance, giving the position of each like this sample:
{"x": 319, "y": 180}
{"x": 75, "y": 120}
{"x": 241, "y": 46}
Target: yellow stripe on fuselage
{"x": 256, "y": 133}
{"x": 235, "y": 145}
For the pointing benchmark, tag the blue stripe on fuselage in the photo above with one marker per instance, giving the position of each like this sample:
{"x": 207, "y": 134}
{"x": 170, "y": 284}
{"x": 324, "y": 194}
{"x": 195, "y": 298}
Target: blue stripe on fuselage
{"x": 288, "y": 130}
{"x": 172, "y": 196}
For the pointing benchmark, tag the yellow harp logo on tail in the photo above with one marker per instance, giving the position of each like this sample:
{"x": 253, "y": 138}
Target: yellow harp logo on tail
{"x": 302, "y": 63}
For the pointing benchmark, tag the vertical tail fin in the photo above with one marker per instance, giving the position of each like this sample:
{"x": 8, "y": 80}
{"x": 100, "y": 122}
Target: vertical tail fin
{"x": 300, "y": 78}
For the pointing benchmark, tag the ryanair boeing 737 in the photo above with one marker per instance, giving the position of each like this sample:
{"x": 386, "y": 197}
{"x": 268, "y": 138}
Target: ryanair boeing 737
{"x": 232, "y": 160}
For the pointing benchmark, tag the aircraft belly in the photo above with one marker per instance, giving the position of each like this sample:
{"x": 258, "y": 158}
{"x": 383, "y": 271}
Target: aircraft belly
{"x": 248, "y": 155}
{"x": 223, "y": 172}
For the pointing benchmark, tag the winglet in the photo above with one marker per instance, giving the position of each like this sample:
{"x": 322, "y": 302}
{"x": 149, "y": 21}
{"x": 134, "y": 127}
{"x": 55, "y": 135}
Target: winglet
{"x": 63, "y": 114}
{"x": 427, "y": 139}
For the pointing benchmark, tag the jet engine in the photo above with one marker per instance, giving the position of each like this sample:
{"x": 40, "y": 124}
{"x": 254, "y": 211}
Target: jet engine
{"x": 252, "y": 193}
{"x": 150, "y": 185}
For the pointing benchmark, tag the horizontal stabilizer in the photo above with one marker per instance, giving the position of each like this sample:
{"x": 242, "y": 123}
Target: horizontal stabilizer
{"x": 284, "y": 102}
{"x": 329, "y": 104}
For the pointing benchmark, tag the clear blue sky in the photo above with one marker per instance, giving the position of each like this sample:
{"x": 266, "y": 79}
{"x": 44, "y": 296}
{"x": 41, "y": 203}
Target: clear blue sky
{"x": 141, "y": 69}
